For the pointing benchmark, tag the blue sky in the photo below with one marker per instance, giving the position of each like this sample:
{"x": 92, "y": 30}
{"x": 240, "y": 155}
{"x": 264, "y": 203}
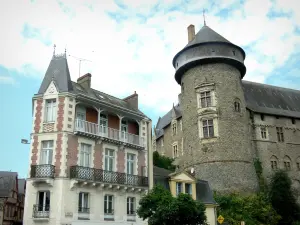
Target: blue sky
{"x": 131, "y": 45}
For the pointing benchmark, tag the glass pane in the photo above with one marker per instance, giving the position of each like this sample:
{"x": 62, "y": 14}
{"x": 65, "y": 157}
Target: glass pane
{"x": 80, "y": 200}
{"x": 211, "y": 131}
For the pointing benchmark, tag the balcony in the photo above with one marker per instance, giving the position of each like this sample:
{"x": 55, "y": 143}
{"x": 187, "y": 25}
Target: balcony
{"x": 41, "y": 211}
{"x": 108, "y": 177}
{"x": 109, "y": 214}
{"x": 42, "y": 173}
{"x": 109, "y": 134}
{"x": 83, "y": 213}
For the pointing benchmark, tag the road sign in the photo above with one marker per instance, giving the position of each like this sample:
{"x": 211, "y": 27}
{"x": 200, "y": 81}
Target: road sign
{"x": 220, "y": 219}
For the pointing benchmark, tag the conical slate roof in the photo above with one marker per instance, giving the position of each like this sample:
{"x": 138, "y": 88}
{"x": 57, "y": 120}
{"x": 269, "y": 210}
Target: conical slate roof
{"x": 58, "y": 71}
{"x": 206, "y": 34}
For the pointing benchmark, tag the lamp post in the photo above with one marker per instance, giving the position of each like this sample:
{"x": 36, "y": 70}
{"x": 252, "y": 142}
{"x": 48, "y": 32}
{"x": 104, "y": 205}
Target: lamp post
{"x": 25, "y": 141}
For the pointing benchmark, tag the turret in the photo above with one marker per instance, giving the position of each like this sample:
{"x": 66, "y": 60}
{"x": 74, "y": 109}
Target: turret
{"x": 214, "y": 118}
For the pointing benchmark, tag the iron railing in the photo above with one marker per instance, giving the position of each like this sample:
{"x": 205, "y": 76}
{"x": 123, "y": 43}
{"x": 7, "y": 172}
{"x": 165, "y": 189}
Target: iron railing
{"x": 41, "y": 211}
{"x": 42, "y": 171}
{"x": 107, "y": 132}
{"x": 92, "y": 174}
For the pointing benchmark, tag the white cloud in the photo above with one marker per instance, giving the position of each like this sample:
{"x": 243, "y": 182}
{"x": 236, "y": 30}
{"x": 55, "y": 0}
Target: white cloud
{"x": 6, "y": 80}
{"x": 119, "y": 67}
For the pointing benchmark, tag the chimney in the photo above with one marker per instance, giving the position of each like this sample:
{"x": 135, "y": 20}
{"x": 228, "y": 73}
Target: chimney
{"x": 191, "y": 32}
{"x": 133, "y": 100}
{"x": 85, "y": 81}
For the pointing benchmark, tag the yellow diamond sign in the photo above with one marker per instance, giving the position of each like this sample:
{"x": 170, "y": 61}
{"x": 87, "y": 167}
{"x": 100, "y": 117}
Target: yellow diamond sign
{"x": 220, "y": 219}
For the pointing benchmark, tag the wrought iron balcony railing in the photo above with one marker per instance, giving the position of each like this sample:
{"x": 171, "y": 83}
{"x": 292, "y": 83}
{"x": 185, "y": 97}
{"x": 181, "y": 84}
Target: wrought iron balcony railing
{"x": 42, "y": 171}
{"x": 41, "y": 211}
{"x": 107, "y": 132}
{"x": 92, "y": 174}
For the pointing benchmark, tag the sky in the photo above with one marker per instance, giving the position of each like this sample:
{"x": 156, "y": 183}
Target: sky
{"x": 129, "y": 46}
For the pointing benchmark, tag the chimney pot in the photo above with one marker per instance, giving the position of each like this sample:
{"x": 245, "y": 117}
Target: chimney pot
{"x": 191, "y": 32}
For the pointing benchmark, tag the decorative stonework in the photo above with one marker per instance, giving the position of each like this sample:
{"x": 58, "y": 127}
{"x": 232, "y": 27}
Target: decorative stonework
{"x": 121, "y": 161}
{"x": 60, "y": 113}
{"x": 38, "y": 115}
{"x": 58, "y": 154}
{"x": 72, "y": 152}
{"x": 48, "y": 127}
{"x": 34, "y": 150}
{"x": 98, "y": 155}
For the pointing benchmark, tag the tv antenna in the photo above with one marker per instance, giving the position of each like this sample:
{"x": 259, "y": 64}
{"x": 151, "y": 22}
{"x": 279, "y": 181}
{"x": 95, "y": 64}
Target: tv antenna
{"x": 80, "y": 60}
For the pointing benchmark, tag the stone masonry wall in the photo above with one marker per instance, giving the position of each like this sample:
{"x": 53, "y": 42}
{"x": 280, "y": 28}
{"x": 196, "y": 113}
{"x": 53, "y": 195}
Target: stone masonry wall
{"x": 227, "y": 161}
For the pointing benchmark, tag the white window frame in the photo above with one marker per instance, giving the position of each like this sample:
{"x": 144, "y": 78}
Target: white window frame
{"x": 207, "y": 126}
{"x": 84, "y": 207}
{"x": 107, "y": 200}
{"x": 179, "y": 188}
{"x": 50, "y": 111}
{"x": 85, "y": 159}
{"x": 46, "y": 150}
{"x": 190, "y": 189}
{"x": 44, "y": 198}
{"x": 203, "y": 97}
{"x": 109, "y": 159}
{"x": 131, "y": 163}
{"x": 131, "y": 203}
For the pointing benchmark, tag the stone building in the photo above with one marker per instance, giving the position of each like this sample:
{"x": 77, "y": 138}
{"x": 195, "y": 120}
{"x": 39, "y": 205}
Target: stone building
{"x": 222, "y": 124}
{"x": 90, "y": 158}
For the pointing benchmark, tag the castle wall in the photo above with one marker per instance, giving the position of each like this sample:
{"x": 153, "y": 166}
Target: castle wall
{"x": 225, "y": 160}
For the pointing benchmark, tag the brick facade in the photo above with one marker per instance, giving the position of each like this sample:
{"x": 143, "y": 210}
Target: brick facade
{"x": 34, "y": 150}
{"x": 72, "y": 152}
{"x": 38, "y": 115}
{"x": 60, "y": 113}
{"x": 58, "y": 154}
{"x": 121, "y": 161}
{"x": 98, "y": 156}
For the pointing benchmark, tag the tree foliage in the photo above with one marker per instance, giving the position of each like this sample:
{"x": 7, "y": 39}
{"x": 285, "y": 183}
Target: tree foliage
{"x": 163, "y": 161}
{"x": 253, "y": 209}
{"x": 282, "y": 198}
{"x": 161, "y": 208}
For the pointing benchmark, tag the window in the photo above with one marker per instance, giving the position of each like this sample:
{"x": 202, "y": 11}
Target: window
{"x": 208, "y": 128}
{"x": 287, "y": 163}
{"x": 108, "y": 204}
{"x": 263, "y": 132}
{"x": 174, "y": 128}
{"x": 178, "y": 188}
{"x": 205, "y": 99}
{"x": 262, "y": 117}
{"x": 50, "y": 113}
{"x": 103, "y": 123}
{"x": 46, "y": 152}
{"x": 298, "y": 165}
{"x": 237, "y": 106}
{"x": 43, "y": 201}
{"x": 83, "y": 202}
{"x": 293, "y": 121}
{"x": 124, "y": 126}
{"x": 130, "y": 163}
{"x": 85, "y": 155}
{"x": 130, "y": 206}
{"x": 280, "y": 136}
{"x": 175, "y": 150}
{"x": 162, "y": 142}
{"x": 188, "y": 189}
{"x": 109, "y": 159}
{"x": 274, "y": 163}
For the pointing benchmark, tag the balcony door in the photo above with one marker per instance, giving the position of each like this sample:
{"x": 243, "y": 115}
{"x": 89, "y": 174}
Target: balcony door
{"x": 103, "y": 128}
{"x": 131, "y": 179}
{"x": 124, "y": 131}
{"x": 109, "y": 176}
{"x": 85, "y": 172}
{"x": 43, "y": 203}
{"x": 46, "y": 154}
{"x": 80, "y": 119}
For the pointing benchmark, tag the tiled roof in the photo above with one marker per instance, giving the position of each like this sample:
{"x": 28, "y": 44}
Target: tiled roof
{"x": 7, "y": 182}
{"x": 260, "y": 98}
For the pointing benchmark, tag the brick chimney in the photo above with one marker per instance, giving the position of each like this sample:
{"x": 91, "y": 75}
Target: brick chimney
{"x": 191, "y": 32}
{"x": 133, "y": 100}
{"x": 85, "y": 81}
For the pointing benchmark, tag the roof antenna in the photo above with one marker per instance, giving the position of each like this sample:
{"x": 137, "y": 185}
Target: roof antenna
{"x": 204, "y": 17}
{"x": 54, "y": 46}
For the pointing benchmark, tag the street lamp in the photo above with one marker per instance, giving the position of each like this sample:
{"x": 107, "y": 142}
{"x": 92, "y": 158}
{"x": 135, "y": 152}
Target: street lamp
{"x": 25, "y": 141}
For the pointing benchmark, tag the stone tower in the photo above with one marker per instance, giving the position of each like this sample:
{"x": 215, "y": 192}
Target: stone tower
{"x": 215, "y": 121}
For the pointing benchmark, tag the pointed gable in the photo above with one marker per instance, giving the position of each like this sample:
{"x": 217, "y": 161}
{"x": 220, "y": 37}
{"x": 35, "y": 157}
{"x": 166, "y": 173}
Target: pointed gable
{"x": 58, "y": 72}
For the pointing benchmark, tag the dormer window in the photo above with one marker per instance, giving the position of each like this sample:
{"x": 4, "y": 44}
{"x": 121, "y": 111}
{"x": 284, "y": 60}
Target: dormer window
{"x": 205, "y": 99}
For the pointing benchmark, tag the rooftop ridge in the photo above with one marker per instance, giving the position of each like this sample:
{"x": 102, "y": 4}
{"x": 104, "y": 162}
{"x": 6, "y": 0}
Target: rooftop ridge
{"x": 270, "y": 85}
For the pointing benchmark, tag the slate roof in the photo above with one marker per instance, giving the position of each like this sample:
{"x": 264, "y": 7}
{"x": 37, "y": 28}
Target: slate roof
{"x": 260, "y": 98}
{"x": 7, "y": 182}
{"x": 21, "y": 186}
{"x": 203, "y": 191}
{"x": 58, "y": 71}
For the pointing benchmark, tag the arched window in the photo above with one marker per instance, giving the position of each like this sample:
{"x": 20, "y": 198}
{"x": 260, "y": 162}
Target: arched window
{"x": 298, "y": 163}
{"x": 287, "y": 163}
{"x": 237, "y": 106}
{"x": 274, "y": 162}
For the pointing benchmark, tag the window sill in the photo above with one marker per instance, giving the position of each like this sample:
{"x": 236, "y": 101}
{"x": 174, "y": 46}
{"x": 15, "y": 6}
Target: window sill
{"x": 208, "y": 139}
{"x": 50, "y": 122}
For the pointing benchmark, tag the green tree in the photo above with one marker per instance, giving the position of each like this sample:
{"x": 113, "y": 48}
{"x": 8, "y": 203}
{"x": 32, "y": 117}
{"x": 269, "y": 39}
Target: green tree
{"x": 163, "y": 161}
{"x": 161, "y": 208}
{"x": 282, "y": 198}
{"x": 253, "y": 209}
